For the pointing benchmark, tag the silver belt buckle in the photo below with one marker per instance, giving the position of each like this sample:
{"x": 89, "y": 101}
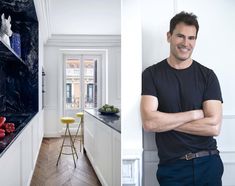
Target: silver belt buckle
{"x": 189, "y": 156}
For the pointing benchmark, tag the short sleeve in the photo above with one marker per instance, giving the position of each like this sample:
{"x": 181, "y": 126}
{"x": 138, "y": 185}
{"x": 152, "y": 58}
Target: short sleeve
{"x": 212, "y": 91}
{"x": 148, "y": 85}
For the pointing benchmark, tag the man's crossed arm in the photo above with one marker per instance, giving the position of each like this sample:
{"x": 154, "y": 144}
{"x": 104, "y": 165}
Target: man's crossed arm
{"x": 206, "y": 122}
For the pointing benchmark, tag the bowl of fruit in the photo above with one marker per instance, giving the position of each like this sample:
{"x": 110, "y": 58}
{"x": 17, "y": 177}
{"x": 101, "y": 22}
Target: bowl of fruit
{"x": 108, "y": 109}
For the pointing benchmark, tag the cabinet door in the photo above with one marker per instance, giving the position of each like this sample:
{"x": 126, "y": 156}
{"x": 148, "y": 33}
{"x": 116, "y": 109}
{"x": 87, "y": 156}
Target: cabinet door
{"x": 10, "y": 166}
{"x": 26, "y": 154}
{"x": 116, "y": 155}
{"x": 89, "y": 129}
{"x": 103, "y": 152}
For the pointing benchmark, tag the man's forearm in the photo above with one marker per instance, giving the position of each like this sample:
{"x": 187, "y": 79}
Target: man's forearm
{"x": 209, "y": 125}
{"x": 160, "y": 122}
{"x": 203, "y": 127}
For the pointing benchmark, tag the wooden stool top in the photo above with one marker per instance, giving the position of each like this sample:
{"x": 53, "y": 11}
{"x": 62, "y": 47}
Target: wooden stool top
{"x": 67, "y": 120}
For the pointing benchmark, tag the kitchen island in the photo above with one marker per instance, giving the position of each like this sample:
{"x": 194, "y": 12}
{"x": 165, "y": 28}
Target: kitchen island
{"x": 102, "y": 143}
{"x": 113, "y": 121}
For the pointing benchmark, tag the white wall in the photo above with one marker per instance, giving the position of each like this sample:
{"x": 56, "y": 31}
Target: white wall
{"x": 114, "y": 76}
{"x": 131, "y": 66}
{"x": 214, "y": 49}
{"x": 131, "y": 75}
{"x": 53, "y": 61}
{"x": 155, "y": 24}
{"x": 85, "y": 17}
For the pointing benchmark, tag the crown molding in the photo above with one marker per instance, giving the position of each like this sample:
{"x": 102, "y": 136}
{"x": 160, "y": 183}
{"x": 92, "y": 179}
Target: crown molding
{"x": 84, "y": 40}
{"x": 43, "y": 13}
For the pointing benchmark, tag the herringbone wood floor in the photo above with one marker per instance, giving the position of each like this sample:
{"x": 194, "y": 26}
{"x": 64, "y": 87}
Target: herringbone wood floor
{"x": 46, "y": 172}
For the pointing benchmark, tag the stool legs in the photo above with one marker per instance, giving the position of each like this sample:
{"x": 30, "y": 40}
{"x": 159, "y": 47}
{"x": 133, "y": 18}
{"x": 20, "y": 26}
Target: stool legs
{"x": 71, "y": 145}
{"x": 76, "y": 135}
{"x": 82, "y": 135}
{"x": 61, "y": 147}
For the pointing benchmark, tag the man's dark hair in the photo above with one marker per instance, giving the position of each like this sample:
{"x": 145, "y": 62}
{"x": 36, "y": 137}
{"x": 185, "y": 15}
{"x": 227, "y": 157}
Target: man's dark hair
{"x": 187, "y": 18}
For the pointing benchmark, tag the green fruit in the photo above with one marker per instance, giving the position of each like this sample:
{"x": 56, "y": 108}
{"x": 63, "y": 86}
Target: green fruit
{"x": 106, "y": 106}
{"x": 108, "y": 110}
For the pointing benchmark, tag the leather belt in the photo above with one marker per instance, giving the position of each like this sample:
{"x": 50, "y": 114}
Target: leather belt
{"x": 191, "y": 155}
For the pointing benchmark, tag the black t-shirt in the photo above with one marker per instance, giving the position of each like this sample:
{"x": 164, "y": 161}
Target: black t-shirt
{"x": 179, "y": 91}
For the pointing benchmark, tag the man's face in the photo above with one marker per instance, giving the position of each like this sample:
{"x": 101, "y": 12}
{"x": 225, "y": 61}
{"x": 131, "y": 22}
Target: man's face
{"x": 182, "y": 41}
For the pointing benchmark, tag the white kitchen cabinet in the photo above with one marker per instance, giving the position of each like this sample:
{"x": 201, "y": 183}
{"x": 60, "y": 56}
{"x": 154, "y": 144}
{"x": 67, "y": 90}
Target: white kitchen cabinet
{"x": 26, "y": 148}
{"x": 18, "y": 162}
{"x": 10, "y": 165}
{"x": 89, "y": 131}
{"x": 103, "y": 151}
{"x": 116, "y": 161}
{"x": 103, "y": 148}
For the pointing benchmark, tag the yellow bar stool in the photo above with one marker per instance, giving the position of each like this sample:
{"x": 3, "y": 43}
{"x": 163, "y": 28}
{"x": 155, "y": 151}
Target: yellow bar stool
{"x": 68, "y": 121}
{"x": 81, "y": 129}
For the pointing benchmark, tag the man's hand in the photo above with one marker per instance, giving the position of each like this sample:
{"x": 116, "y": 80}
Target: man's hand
{"x": 198, "y": 114}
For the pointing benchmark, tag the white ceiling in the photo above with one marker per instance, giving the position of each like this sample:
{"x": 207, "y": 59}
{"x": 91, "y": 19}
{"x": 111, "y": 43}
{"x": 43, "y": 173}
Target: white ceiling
{"x": 90, "y": 17}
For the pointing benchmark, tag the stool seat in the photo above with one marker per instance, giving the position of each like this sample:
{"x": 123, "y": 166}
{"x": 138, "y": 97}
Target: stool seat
{"x": 79, "y": 114}
{"x": 67, "y": 120}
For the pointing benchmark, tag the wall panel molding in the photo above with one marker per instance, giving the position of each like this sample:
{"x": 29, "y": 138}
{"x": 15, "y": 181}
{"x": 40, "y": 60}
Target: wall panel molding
{"x": 229, "y": 116}
{"x": 84, "y": 40}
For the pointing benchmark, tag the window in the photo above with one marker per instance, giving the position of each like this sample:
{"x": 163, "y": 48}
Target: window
{"x": 82, "y": 77}
{"x": 68, "y": 93}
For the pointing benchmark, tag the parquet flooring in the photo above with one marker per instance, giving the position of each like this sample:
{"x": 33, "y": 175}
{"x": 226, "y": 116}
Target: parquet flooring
{"x": 46, "y": 172}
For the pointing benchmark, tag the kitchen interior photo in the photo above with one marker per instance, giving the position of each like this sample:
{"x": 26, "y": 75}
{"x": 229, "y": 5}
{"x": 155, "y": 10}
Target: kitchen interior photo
{"x": 60, "y": 78}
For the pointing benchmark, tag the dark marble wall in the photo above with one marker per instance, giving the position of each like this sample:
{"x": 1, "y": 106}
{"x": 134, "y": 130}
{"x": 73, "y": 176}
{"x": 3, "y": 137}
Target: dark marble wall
{"x": 2, "y": 90}
{"x": 19, "y": 9}
{"x": 19, "y": 77}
